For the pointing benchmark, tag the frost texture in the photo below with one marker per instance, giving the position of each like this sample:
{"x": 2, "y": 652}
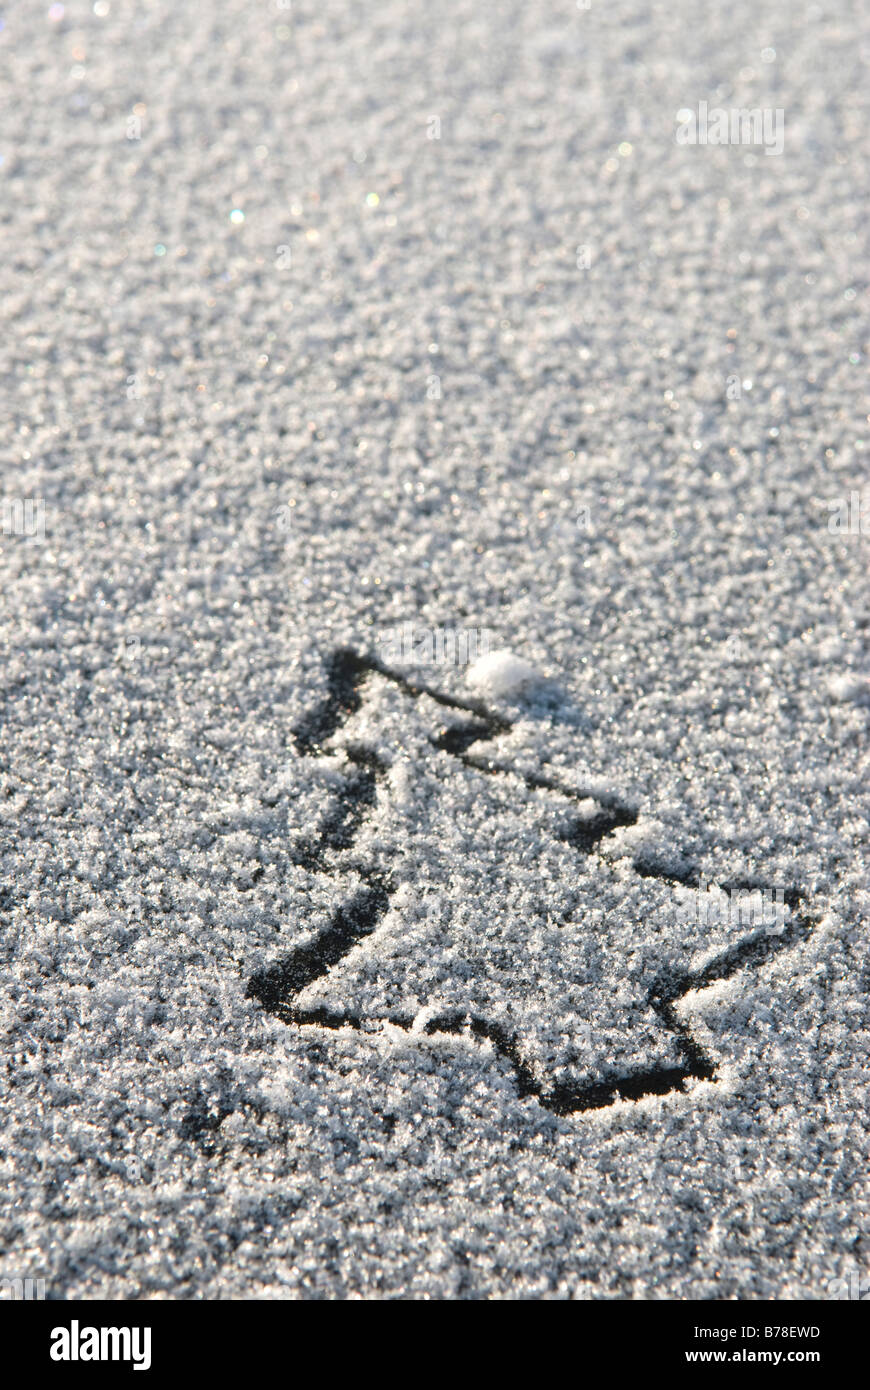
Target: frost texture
{"x": 476, "y": 383}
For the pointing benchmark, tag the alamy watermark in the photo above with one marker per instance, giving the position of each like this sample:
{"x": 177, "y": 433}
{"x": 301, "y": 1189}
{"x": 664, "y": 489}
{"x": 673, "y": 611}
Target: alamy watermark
{"x": 23, "y": 516}
{"x": 734, "y": 126}
{"x": 14, "y": 1289}
{"x": 850, "y": 1286}
{"x": 712, "y": 906}
{"x": 77, "y": 1343}
{"x": 433, "y": 646}
{"x": 850, "y": 516}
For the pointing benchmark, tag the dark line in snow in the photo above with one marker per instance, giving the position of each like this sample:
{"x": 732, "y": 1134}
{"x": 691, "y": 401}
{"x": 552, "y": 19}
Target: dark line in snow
{"x": 277, "y": 986}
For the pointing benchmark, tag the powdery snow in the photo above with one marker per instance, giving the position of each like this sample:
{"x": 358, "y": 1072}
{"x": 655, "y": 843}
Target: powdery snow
{"x": 475, "y": 384}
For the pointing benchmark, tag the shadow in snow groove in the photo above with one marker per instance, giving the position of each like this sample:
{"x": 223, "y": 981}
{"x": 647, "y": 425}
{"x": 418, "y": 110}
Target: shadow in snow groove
{"x": 277, "y": 987}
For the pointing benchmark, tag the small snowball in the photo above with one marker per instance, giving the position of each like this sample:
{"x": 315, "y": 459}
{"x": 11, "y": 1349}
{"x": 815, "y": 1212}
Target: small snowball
{"x": 501, "y": 673}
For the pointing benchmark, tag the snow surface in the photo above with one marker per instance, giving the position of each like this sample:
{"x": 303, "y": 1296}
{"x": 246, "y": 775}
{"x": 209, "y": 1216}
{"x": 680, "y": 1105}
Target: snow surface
{"x": 289, "y": 374}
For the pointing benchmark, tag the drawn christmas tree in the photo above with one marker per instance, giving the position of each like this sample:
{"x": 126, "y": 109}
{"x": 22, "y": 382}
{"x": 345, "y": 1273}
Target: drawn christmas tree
{"x": 491, "y": 901}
